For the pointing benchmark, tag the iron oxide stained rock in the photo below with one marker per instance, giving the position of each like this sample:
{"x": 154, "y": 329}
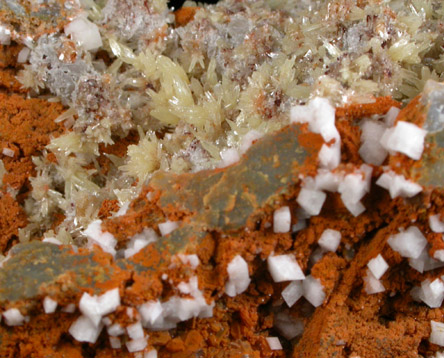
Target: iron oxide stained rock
{"x": 36, "y": 269}
{"x": 225, "y": 199}
{"x": 221, "y": 200}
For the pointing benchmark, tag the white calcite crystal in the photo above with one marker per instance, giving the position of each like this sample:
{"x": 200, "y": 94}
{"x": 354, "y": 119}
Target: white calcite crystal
{"x": 408, "y": 243}
{"x": 168, "y": 227}
{"x": 284, "y": 268}
{"x": 327, "y": 180}
{"x": 13, "y": 317}
{"x": 85, "y": 33}
{"x": 353, "y": 187}
{"x": 49, "y": 305}
{"x": 5, "y": 35}
{"x": 292, "y": 293}
{"x": 150, "y": 312}
{"x": 424, "y": 262}
{"x": 104, "y": 239}
{"x": 436, "y": 224}
{"x": 398, "y": 185}
{"x": 371, "y": 151}
{"x": 95, "y": 307}
{"x": 313, "y": 290}
{"x": 371, "y": 284}
{"x": 191, "y": 260}
{"x": 406, "y": 138}
{"x": 139, "y": 241}
{"x": 84, "y": 330}
{"x": 137, "y": 345}
{"x": 115, "y": 330}
{"x": 151, "y": 354}
{"x": 274, "y": 343}
{"x": 437, "y": 334}
{"x": 166, "y": 315}
{"x": 282, "y": 220}
{"x": 311, "y": 200}
{"x": 320, "y": 116}
{"x": 432, "y": 292}
{"x": 378, "y": 266}
{"x": 8, "y": 152}
{"x": 135, "y": 330}
{"x": 330, "y": 240}
{"x": 238, "y": 276}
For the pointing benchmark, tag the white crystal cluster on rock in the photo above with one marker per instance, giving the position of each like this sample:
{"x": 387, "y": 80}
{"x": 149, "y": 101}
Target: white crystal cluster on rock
{"x": 320, "y": 116}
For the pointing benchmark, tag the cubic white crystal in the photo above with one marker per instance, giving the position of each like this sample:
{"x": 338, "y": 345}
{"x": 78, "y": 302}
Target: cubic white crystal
{"x": 49, "y": 305}
{"x": 13, "y": 317}
{"x": 327, "y": 180}
{"x": 136, "y": 345}
{"x": 330, "y": 240}
{"x": 238, "y": 276}
{"x": 274, "y": 343}
{"x": 139, "y": 241}
{"x": 408, "y": 243}
{"x": 135, "y": 330}
{"x": 398, "y": 185}
{"x": 85, "y": 33}
{"x": 150, "y": 312}
{"x": 5, "y": 36}
{"x": 109, "y": 301}
{"x": 83, "y": 330}
{"x": 436, "y": 224}
{"x": 330, "y": 155}
{"x": 94, "y": 307}
{"x": 104, "y": 239}
{"x": 424, "y": 262}
{"x": 8, "y": 152}
{"x": 378, "y": 266}
{"x": 439, "y": 255}
{"x": 115, "y": 330}
{"x": 353, "y": 188}
{"x": 320, "y": 115}
{"x": 372, "y": 285}
{"x": 192, "y": 260}
{"x": 371, "y": 151}
{"x": 168, "y": 227}
{"x": 282, "y": 220}
{"x": 284, "y": 268}
{"x": 432, "y": 293}
{"x": 313, "y": 290}
{"x": 437, "y": 335}
{"x": 406, "y": 138}
{"x": 311, "y": 200}
{"x": 151, "y": 354}
{"x": 292, "y": 293}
